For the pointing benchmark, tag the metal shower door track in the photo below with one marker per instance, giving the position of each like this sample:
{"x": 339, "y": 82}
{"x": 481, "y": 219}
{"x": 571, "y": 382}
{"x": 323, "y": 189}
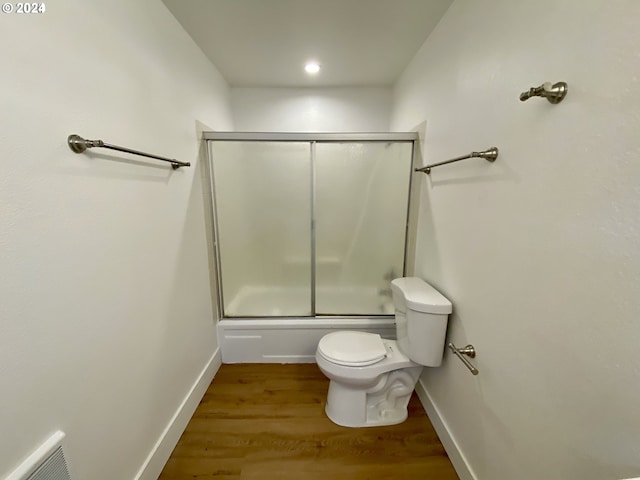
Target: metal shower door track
{"x": 311, "y": 137}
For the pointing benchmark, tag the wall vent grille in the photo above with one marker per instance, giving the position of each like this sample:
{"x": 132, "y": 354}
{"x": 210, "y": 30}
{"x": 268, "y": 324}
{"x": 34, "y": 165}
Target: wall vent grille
{"x": 53, "y": 468}
{"x": 47, "y": 462}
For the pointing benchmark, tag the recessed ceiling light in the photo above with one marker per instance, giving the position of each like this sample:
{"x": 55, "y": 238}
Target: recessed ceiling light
{"x": 312, "y": 68}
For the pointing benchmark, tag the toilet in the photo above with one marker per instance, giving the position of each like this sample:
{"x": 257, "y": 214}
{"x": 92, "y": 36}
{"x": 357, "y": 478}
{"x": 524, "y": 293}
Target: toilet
{"x": 372, "y": 378}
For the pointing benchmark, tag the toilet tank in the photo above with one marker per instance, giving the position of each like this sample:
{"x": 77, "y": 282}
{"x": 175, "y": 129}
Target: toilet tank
{"x": 422, "y": 314}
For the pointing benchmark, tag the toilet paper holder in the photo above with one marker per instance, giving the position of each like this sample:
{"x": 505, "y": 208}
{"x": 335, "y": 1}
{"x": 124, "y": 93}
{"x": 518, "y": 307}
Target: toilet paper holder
{"x": 469, "y": 351}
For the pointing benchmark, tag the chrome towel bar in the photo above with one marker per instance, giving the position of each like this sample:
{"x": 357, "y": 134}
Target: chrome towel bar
{"x": 489, "y": 155}
{"x": 78, "y": 145}
{"x": 469, "y": 351}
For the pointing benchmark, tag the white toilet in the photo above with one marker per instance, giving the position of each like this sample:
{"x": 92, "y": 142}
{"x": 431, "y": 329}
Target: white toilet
{"x": 372, "y": 378}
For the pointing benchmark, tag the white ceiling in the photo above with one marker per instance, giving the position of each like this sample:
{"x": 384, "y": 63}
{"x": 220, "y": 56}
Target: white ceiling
{"x": 265, "y": 43}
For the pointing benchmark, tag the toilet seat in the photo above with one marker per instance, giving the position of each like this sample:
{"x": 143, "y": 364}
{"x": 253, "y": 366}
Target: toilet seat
{"x": 352, "y": 349}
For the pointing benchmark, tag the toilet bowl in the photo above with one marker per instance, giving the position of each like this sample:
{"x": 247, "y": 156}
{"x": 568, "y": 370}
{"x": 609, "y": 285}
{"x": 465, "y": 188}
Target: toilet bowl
{"x": 371, "y": 378}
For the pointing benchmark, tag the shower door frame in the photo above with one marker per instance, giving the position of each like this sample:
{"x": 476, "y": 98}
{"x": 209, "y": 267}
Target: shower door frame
{"x": 312, "y": 139}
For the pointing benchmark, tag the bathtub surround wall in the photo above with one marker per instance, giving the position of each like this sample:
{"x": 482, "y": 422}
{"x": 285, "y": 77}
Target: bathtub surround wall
{"x": 106, "y": 329}
{"x": 539, "y": 252}
{"x": 361, "y": 200}
{"x": 351, "y": 109}
{"x": 267, "y": 256}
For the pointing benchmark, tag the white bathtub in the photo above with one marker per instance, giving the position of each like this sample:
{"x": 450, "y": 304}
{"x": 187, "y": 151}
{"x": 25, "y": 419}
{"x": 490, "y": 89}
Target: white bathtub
{"x": 285, "y": 335}
{"x": 260, "y": 301}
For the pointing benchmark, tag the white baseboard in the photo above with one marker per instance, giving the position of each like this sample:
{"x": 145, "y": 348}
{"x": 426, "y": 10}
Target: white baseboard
{"x": 161, "y": 451}
{"x": 459, "y": 461}
{"x": 286, "y": 340}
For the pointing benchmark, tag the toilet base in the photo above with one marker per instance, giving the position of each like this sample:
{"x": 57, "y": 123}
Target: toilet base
{"x": 383, "y": 404}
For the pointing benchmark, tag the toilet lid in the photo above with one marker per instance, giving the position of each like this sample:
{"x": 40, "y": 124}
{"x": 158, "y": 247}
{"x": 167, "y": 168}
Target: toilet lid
{"x": 355, "y": 349}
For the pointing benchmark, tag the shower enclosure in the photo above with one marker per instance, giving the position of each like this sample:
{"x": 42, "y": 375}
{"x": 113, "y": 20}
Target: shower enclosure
{"x": 309, "y": 225}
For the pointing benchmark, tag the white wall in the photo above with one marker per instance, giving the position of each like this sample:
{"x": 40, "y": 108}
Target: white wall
{"x": 540, "y": 251}
{"x": 106, "y": 318}
{"x": 311, "y": 109}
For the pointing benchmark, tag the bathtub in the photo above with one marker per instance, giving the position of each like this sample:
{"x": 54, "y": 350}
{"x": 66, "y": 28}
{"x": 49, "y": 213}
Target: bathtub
{"x": 261, "y": 301}
{"x": 268, "y": 326}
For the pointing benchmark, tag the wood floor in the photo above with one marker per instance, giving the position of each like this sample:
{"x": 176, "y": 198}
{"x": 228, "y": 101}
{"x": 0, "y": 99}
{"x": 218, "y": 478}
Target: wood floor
{"x": 267, "y": 421}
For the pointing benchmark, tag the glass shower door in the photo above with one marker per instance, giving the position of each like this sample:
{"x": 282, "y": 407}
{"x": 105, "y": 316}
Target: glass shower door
{"x": 262, "y": 191}
{"x": 361, "y": 206}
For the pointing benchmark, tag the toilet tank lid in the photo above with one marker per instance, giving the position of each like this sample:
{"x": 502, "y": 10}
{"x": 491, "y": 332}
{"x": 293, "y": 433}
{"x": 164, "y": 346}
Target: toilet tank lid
{"x": 420, "y": 296}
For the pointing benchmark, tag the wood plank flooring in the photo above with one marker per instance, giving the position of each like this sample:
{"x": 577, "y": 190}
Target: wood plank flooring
{"x": 267, "y": 421}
